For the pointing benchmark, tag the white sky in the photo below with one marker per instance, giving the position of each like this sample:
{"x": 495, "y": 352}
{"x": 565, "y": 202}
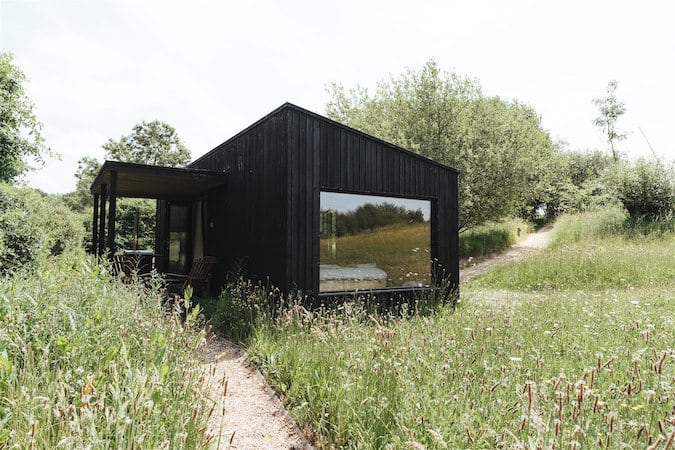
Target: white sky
{"x": 96, "y": 68}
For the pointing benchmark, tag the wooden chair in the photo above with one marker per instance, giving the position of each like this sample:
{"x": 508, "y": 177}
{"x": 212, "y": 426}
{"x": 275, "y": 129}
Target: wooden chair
{"x": 122, "y": 268}
{"x": 199, "y": 276}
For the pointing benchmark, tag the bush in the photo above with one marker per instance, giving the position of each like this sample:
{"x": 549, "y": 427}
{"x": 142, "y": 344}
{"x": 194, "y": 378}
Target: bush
{"x": 489, "y": 238}
{"x": 33, "y": 226}
{"x": 646, "y": 189}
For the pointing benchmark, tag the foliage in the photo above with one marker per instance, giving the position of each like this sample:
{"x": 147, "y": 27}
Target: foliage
{"x": 366, "y": 217}
{"x": 86, "y": 362}
{"x": 610, "y": 109}
{"x": 578, "y": 181}
{"x": 498, "y": 145}
{"x": 646, "y": 189}
{"x": 149, "y": 143}
{"x": 505, "y": 370}
{"x": 584, "y": 167}
{"x": 595, "y": 250}
{"x": 129, "y": 210}
{"x": 80, "y": 199}
{"x": 32, "y": 227}
{"x": 152, "y": 142}
{"x": 490, "y": 238}
{"x": 19, "y": 128}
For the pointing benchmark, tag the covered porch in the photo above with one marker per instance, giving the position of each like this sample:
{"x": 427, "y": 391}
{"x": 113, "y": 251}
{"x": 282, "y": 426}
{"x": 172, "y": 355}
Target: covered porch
{"x": 181, "y": 213}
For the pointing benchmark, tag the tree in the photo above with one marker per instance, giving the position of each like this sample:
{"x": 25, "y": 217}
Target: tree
{"x": 80, "y": 199}
{"x": 610, "y": 109}
{"x": 498, "y": 145}
{"x": 19, "y": 128}
{"x": 149, "y": 143}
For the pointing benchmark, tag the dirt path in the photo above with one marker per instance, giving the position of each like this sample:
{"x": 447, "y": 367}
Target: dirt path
{"x": 537, "y": 241}
{"x": 248, "y": 414}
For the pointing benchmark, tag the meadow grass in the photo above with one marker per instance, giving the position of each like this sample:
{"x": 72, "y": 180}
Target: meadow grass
{"x": 504, "y": 370}
{"x": 398, "y": 249}
{"x": 533, "y": 368}
{"x": 595, "y": 250}
{"x": 491, "y": 238}
{"x": 86, "y": 362}
{"x": 402, "y": 249}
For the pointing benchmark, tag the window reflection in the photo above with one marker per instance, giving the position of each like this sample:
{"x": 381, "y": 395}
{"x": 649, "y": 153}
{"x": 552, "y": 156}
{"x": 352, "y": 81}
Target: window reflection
{"x": 372, "y": 242}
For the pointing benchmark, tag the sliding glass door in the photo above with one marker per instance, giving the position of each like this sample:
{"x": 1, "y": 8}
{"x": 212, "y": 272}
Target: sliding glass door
{"x": 180, "y": 239}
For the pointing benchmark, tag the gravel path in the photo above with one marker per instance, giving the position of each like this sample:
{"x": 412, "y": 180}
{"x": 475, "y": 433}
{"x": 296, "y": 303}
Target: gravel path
{"x": 540, "y": 240}
{"x": 247, "y": 414}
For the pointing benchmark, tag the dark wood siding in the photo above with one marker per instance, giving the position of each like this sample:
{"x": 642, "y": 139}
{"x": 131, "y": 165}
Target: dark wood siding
{"x": 267, "y": 216}
{"x": 246, "y": 224}
{"x": 323, "y": 155}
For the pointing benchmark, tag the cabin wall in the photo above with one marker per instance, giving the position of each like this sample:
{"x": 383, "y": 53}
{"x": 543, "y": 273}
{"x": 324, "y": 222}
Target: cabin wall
{"x": 325, "y": 156}
{"x": 246, "y": 219}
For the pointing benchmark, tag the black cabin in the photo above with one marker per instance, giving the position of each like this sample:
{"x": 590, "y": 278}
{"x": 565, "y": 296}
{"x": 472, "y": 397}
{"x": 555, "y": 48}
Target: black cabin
{"x": 301, "y": 202}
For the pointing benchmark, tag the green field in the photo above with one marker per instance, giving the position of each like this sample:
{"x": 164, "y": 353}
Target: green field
{"x": 595, "y": 251}
{"x": 399, "y": 250}
{"x": 404, "y": 249}
{"x": 513, "y": 366}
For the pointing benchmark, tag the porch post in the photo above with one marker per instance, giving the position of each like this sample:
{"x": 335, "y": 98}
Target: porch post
{"x": 111, "y": 212}
{"x": 94, "y": 228}
{"x": 101, "y": 222}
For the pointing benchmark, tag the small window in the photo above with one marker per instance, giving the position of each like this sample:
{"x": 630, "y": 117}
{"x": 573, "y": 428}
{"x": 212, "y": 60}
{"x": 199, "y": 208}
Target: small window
{"x": 373, "y": 242}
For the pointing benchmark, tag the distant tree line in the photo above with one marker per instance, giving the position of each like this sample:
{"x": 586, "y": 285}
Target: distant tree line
{"x": 367, "y": 217}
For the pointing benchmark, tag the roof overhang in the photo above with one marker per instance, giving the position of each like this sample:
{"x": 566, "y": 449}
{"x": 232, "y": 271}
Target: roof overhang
{"x": 160, "y": 182}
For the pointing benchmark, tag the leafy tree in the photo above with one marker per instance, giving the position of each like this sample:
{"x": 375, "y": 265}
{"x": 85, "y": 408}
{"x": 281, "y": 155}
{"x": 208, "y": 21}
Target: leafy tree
{"x": 646, "y": 189}
{"x": 610, "y": 109}
{"x": 498, "y": 145}
{"x": 19, "y": 128}
{"x": 81, "y": 198}
{"x": 34, "y": 226}
{"x": 366, "y": 217}
{"x": 149, "y": 143}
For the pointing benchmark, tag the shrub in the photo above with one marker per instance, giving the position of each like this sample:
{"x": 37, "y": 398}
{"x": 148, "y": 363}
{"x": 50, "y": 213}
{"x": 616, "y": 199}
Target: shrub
{"x": 646, "y": 189}
{"x": 489, "y": 238}
{"x": 33, "y": 226}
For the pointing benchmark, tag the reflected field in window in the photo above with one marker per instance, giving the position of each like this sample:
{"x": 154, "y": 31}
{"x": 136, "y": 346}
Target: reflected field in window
{"x": 373, "y": 242}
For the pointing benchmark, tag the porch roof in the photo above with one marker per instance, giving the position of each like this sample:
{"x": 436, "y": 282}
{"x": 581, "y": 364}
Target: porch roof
{"x": 159, "y": 182}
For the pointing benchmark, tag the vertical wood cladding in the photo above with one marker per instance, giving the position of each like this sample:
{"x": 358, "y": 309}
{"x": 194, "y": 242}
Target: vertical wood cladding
{"x": 246, "y": 223}
{"x": 324, "y": 155}
{"x": 268, "y": 213}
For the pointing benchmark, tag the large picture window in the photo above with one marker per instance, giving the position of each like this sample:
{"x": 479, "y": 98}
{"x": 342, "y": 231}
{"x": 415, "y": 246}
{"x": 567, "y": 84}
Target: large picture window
{"x": 373, "y": 242}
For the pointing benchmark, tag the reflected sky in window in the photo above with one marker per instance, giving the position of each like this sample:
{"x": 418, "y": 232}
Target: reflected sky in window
{"x": 349, "y": 202}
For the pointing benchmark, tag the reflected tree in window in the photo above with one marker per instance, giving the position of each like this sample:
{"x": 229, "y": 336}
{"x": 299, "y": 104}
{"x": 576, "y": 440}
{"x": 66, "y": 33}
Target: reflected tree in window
{"x": 371, "y": 242}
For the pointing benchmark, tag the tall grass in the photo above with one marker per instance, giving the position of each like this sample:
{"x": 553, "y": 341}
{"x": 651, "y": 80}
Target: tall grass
{"x": 399, "y": 250}
{"x": 88, "y": 363}
{"x": 540, "y": 369}
{"x": 596, "y": 250}
{"x": 561, "y": 370}
{"x": 491, "y": 238}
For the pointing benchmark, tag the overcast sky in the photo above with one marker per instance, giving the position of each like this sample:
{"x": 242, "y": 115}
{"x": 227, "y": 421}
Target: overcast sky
{"x": 96, "y": 68}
